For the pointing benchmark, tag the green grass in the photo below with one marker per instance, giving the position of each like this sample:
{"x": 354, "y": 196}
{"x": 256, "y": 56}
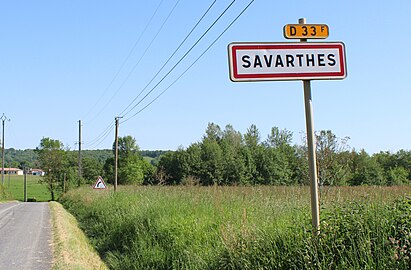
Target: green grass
{"x": 245, "y": 227}
{"x": 14, "y": 186}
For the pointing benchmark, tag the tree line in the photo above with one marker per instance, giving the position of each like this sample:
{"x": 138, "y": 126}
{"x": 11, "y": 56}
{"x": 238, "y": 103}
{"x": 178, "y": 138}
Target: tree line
{"x": 227, "y": 157}
{"x": 222, "y": 157}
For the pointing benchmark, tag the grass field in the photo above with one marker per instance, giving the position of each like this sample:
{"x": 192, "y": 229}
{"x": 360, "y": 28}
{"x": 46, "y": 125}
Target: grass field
{"x": 245, "y": 227}
{"x": 14, "y": 188}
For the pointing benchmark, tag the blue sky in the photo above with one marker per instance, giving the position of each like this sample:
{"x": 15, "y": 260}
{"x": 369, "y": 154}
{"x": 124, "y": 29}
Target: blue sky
{"x": 59, "y": 60}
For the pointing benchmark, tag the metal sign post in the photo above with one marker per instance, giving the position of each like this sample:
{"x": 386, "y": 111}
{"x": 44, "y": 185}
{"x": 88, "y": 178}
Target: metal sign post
{"x": 312, "y": 159}
{"x": 273, "y": 61}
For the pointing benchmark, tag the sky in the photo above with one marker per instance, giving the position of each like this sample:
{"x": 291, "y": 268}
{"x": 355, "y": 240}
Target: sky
{"x": 65, "y": 61}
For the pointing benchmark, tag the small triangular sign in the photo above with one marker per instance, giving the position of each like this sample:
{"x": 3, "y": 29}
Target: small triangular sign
{"x": 99, "y": 183}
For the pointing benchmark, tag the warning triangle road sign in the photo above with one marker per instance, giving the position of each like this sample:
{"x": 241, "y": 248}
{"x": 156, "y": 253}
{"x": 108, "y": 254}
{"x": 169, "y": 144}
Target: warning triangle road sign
{"x": 99, "y": 183}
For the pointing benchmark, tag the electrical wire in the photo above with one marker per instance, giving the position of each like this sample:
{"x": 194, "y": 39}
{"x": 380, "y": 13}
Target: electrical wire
{"x": 139, "y": 60}
{"x": 124, "y": 62}
{"x": 182, "y": 58}
{"x": 100, "y": 135}
{"x": 100, "y": 138}
{"x": 171, "y": 56}
{"x": 185, "y": 71}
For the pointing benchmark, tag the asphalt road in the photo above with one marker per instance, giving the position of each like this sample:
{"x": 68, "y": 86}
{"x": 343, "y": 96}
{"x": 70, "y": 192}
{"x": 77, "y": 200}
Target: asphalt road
{"x": 25, "y": 236}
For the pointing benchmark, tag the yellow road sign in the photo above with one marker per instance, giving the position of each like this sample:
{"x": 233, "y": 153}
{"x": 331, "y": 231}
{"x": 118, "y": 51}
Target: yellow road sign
{"x": 300, "y": 31}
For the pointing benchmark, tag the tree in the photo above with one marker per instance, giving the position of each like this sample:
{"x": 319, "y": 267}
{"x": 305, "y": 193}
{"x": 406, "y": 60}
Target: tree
{"x": 366, "y": 170}
{"x": 131, "y": 165}
{"x": 233, "y": 162}
{"x": 52, "y": 160}
{"x": 252, "y": 137}
{"x": 397, "y": 167}
{"x": 279, "y": 147}
{"x": 397, "y": 176}
{"x": 332, "y": 167}
{"x": 279, "y": 138}
{"x": 91, "y": 169}
{"x": 172, "y": 165}
{"x": 213, "y": 132}
{"x": 211, "y": 171}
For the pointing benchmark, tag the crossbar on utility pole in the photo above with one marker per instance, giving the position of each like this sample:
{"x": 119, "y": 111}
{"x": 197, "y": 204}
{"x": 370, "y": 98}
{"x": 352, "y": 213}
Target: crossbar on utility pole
{"x": 312, "y": 160}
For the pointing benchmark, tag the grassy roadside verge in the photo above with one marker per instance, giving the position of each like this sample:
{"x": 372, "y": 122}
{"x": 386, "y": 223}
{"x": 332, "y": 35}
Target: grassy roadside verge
{"x": 260, "y": 227}
{"x": 71, "y": 249}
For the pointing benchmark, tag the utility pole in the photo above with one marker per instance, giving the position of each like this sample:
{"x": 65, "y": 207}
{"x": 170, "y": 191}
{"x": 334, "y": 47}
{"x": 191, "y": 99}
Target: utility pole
{"x": 116, "y": 155}
{"x": 3, "y": 119}
{"x": 25, "y": 184}
{"x": 64, "y": 182}
{"x": 9, "y": 174}
{"x": 79, "y": 153}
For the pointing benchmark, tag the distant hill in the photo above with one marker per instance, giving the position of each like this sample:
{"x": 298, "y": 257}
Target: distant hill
{"x": 17, "y": 158}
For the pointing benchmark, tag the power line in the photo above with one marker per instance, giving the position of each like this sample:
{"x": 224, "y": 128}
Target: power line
{"x": 100, "y": 138}
{"x": 185, "y": 71}
{"x": 182, "y": 58}
{"x": 100, "y": 135}
{"x": 139, "y": 60}
{"x": 125, "y": 60}
{"x": 172, "y": 55}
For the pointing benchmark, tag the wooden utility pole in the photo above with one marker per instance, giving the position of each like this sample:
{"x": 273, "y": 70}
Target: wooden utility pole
{"x": 25, "y": 184}
{"x": 116, "y": 155}
{"x": 3, "y": 118}
{"x": 64, "y": 182}
{"x": 79, "y": 153}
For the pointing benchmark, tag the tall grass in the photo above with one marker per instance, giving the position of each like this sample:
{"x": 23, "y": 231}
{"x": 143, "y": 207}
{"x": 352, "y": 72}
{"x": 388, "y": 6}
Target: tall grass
{"x": 245, "y": 227}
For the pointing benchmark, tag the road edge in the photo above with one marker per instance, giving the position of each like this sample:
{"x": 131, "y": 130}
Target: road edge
{"x": 71, "y": 248}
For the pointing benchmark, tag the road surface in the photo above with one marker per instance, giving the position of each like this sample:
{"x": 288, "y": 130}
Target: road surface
{"x": 25, "y": 237}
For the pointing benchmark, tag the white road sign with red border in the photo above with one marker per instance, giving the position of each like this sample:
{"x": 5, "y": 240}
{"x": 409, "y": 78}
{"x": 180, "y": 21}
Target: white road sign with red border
{"x": 286, "y": 61}
{"x": 99, "y": 183}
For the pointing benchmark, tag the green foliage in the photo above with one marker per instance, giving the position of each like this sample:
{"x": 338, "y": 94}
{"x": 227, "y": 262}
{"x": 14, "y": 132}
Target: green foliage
{"x": 400, "y": 238}
{"x": 91, "y": 169}
{"x": 366, "y": 170}
{"x": 226, "y": 157}
{"x": 397, "y": 176}
{"x": 132, "y": 168}
{"x": 211, "y": 163}
{"x": 99, "y": 155}
{"x": 52, "y": 160}
{"x": 130, "y": 171}
{"x": 4, "y": 195}
{"x": 15, "y": 158}
{"x": 245, "y": 227}
{"x": 332, "y": 162}
{"x": 172, "y": 164}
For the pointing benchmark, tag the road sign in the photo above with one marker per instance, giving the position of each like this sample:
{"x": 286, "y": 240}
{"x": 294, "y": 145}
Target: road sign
{"x": 286, "y": 61}
{"x": 303, "y": 31}
{"x": 100, "y": 184}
